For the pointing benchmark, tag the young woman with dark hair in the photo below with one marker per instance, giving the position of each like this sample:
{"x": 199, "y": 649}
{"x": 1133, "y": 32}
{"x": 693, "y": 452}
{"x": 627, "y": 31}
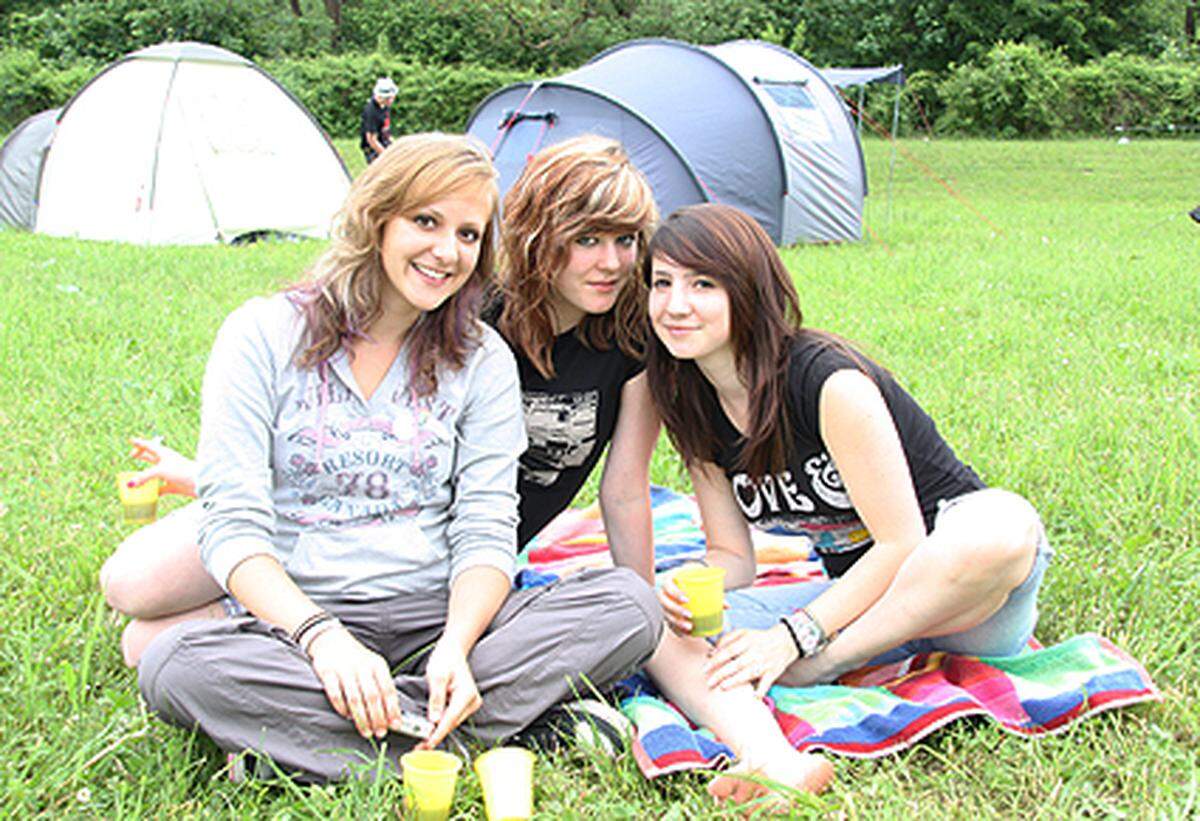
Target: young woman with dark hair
{"x": 791, "y": 429}
{"x": 356, "y": 474}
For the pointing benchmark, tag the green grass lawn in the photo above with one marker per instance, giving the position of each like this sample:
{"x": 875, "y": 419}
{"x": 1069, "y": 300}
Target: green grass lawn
{"x": 1059, "y": 356}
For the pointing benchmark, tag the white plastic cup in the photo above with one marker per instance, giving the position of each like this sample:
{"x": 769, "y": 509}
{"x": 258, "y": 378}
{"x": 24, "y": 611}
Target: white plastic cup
{"x": 506, "y": 776}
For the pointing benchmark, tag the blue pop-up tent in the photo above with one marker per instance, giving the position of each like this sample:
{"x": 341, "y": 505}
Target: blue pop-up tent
{"x": 745, "y": 123}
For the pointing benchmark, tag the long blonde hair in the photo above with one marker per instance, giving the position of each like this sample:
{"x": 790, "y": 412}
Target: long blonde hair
{"x": 340, "y": 296}
{"x": 582, "y": 185}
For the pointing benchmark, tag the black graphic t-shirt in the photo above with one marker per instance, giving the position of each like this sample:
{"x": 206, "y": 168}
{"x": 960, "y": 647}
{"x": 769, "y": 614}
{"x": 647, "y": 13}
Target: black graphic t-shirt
{"x": 809, "y": 497}
{"x": 568, "y": 419}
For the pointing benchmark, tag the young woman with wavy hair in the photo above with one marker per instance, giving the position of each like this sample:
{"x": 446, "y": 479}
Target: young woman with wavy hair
{"x": 571, "y": 304}
{"x": 789, "y": 428}
{"x": 356, "y": 474}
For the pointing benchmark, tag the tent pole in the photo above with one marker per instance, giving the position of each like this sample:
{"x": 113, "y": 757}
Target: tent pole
{"x": 892, "y": 163}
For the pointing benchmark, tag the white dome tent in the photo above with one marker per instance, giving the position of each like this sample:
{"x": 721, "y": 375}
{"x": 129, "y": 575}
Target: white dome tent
{"x": 186, "y": 143}
{"x": 743, "y": 123}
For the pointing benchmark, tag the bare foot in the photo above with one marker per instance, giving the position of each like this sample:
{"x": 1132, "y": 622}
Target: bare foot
{"x": 805, "y": 772}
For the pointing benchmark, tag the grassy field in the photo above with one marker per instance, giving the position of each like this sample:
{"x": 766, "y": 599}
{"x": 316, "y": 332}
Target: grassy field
{"x": 1059, "y": 354}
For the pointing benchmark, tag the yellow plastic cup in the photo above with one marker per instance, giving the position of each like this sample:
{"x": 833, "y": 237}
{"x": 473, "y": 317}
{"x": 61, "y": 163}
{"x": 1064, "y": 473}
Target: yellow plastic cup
{"x": 705, "y": 591}
{"x": 506, "y": 776}
{"x": 429, "y": 779}
{"x": 139, "y": 504}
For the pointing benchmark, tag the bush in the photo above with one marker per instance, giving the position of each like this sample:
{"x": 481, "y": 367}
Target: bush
{"x": 921, "y": 104}
{"x": 334, "y": 88}
{"x": 1016, "y": 90}
{"x": 1119, "y": 91}
{"x": 1022, "y": 91}
{"x": 27, "y": 85}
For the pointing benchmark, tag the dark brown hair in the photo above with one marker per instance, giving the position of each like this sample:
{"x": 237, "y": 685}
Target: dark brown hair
{"x": 576, "y": 187}
{"x": 731, "y": 248}
{"x": 340, "y": 297}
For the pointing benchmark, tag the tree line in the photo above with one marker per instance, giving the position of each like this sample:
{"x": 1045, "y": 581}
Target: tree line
{"x": 548, "y": 35}
{"x": 1002, "y": 68}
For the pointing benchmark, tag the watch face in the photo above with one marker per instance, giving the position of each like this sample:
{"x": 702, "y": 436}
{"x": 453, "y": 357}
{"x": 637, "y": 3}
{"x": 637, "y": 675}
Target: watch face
{"x": 810, "y": 637}
{"x": 808, "y": 634}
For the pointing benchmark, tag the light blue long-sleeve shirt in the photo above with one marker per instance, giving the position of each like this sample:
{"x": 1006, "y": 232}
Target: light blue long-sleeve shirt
{"x": 357, "y": 498}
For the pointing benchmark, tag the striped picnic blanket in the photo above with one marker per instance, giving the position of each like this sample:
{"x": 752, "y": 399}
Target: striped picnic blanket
{"x": 870, "y": 712}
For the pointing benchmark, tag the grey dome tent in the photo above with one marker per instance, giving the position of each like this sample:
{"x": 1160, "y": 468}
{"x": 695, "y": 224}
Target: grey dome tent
{"x": 743, "y": 123}
{"x": 20, "y": 164}
{"x": 179, "y": 143}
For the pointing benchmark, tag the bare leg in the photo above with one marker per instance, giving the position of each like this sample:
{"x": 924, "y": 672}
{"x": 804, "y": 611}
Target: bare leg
{"x": 157, "y": 572}
{"x": 957, "y": 577}
{"x": 739, "y": 718}
{"x": 156, "y": 576}
{"x": 140, "y": 632}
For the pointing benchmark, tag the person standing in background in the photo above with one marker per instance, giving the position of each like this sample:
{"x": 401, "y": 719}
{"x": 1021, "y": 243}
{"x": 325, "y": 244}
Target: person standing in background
{"x": 377, "y": 119}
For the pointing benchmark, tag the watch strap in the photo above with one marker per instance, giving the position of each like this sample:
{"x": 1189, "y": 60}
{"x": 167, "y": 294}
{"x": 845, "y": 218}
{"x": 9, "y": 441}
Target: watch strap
{"x": 800, "y": 625}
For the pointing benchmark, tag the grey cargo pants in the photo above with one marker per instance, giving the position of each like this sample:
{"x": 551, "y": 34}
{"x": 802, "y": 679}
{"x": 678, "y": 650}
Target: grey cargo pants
{"x": 249, "y": 687}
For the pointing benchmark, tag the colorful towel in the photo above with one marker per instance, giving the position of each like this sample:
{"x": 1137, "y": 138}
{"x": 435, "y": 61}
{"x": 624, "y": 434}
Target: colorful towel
{"x": 871, "y": 712}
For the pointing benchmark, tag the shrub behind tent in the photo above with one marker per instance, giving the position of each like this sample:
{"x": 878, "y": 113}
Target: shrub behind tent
{"x": 20, "y": 163}
{"x": 187, "y": 143}
{"x": 750, "y": 128}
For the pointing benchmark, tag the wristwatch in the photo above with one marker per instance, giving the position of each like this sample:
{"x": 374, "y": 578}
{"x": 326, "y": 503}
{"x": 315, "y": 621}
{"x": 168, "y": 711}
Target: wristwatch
{"x": 806, "y": 632}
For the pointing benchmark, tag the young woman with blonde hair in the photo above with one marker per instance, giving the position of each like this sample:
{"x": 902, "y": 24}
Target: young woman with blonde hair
{"x": 572, "y": 306}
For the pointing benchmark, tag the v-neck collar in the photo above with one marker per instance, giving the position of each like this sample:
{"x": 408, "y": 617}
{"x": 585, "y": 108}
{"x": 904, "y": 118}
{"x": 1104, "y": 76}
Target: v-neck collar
{"x": 339, "y": 363}
{"x": 723, "y": 420}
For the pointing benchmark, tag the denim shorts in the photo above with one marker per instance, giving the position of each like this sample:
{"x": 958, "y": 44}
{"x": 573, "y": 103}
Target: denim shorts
{"x": 1005, "y": 633}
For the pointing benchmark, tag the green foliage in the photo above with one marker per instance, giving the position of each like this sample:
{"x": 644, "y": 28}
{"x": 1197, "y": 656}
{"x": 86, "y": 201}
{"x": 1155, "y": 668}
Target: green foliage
{"x": 28, "y": 85}
{"x": 1121, "y": 91}
{"x": 933, "y": 34}
{"x": 544, "y": 35}
{"x": 335, "y": 88}
{"x": 103, "y": 30}
{"x": 920, "y": 102}
{"x": 1023, "y": 91}
{"x": 1015, "y": 90}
